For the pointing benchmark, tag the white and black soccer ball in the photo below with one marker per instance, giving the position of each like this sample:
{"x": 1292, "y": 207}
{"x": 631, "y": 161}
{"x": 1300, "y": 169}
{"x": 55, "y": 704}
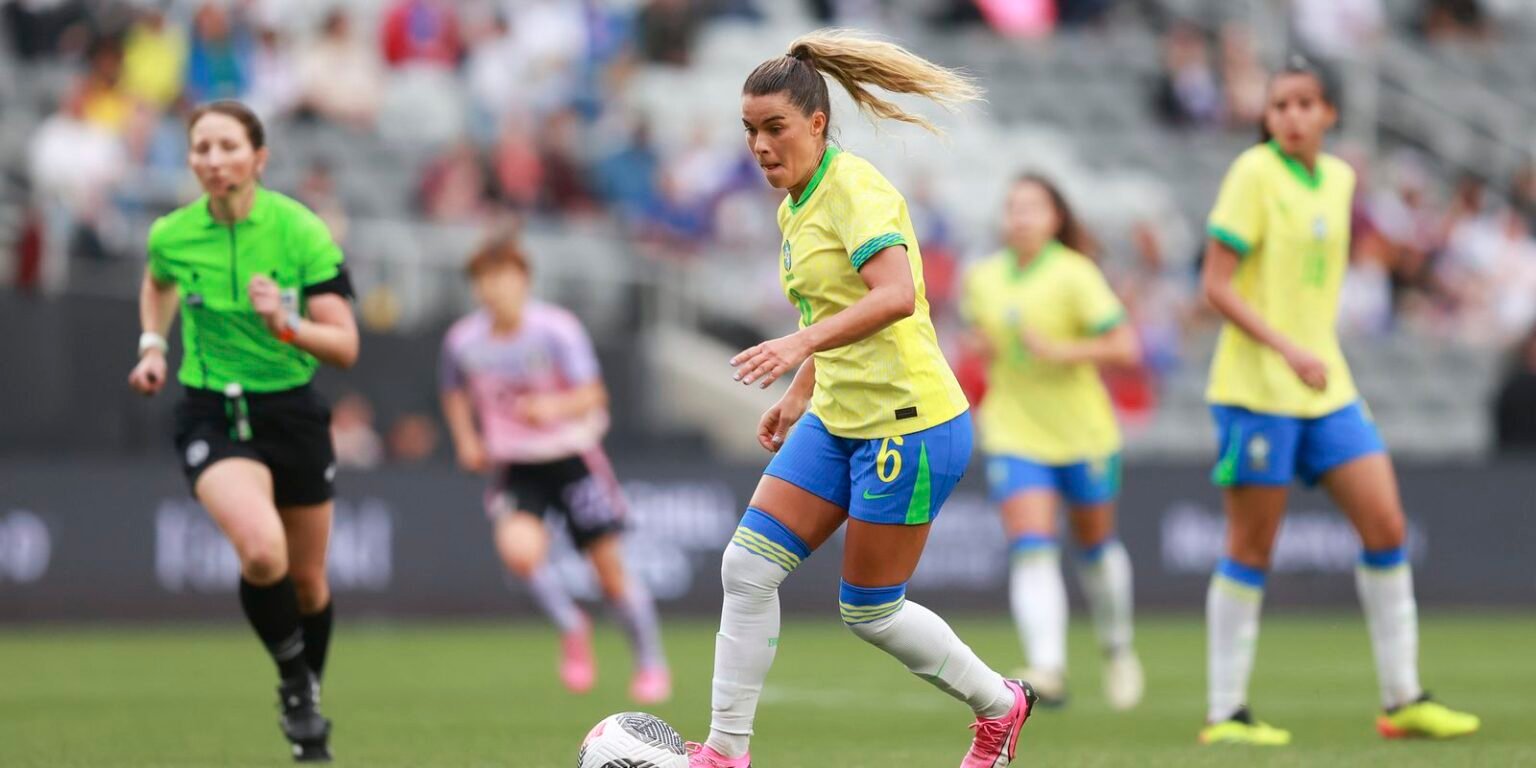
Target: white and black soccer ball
{"x": 632, "y": 740}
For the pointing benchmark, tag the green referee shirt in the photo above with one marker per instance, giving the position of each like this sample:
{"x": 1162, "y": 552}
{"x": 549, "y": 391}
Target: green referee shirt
{"x": 211, "y": 263}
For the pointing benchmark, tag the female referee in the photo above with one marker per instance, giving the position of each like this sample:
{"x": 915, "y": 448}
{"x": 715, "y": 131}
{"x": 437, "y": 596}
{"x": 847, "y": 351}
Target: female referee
{"x": 264, "y": 300}
{"x": 525, "y": 402}
{"x": 889, "y": 431}
{"x": 1286, "y": 408}
{"x": 1045, "y": 316}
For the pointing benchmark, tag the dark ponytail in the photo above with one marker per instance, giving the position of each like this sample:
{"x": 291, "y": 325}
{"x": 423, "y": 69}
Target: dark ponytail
{"x": 1070, "y": 231}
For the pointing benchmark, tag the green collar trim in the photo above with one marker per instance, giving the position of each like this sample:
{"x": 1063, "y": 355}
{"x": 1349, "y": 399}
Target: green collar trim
{"x": 1311, "y": 179}
{"x": 260, "y": 205}
{"x": 821, "y": 170}
{"x": 1017, "y": 273}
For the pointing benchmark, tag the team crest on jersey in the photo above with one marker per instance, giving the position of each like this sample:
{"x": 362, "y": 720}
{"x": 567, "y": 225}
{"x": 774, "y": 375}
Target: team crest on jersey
{"x": 1258, "y": 453}
{"x": 1320, "y": 227}
{"x": 786, "y": 256}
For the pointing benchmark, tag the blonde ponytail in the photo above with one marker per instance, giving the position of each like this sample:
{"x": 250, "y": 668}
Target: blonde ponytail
{"x": 855, "y": 61}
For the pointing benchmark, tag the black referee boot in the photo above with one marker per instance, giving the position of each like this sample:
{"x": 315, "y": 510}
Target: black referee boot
{"x": 306, "y": 729}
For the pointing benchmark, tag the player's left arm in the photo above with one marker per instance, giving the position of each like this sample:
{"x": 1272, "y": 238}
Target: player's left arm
{"x": 892, "y": 296}
{"x": 326, "y": 327}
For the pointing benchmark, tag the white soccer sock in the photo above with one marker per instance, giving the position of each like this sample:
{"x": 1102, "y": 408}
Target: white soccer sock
{"x": 551, "y": 595}
{"x": 1232, "y": 606}
{"x": 760, "y": 556}
{"x": 1105, "y": 572}
{"x": 1385, "y": 583}
{"x": 1038, "y": 595}
{"x": 921, "y": 640}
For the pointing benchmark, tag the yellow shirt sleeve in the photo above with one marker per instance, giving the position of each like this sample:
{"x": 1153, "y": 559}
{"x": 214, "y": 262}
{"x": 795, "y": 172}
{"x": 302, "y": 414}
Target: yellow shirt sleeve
{"x": 867, "y": 214}
{"x": 1237, "y": 220}
{"x": 1098, "y": 308}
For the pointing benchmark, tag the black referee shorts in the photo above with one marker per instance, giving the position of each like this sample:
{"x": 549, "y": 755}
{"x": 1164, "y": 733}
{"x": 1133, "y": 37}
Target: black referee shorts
{"x": 290, "y": 434}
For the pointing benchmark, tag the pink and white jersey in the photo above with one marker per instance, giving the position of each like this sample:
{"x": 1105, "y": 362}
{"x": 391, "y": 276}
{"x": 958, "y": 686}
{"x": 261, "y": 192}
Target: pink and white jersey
{"x": 550, "y": 352}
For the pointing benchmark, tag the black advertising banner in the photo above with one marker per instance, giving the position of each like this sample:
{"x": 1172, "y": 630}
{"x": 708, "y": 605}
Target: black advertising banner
{"x": 114, "y": 540}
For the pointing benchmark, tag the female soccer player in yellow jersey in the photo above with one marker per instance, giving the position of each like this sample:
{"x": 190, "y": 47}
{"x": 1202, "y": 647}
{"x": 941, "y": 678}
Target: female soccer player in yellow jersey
{"x": 888, "y": 433}
{"x": 1285, "y": 407}
{"x": 1043, "y": 315}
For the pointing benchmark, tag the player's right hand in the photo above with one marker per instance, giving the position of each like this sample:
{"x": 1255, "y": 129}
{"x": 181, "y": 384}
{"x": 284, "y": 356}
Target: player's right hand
{"x": 148, "y": 377}
{"x": 471, "y": 456}
{"x": 1312, "y": 371}
{"x": 773, "y": 428}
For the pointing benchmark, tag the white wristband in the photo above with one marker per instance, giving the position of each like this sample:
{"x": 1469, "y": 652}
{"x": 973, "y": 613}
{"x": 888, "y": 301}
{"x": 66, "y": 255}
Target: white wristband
{"x": 150, "y": 340}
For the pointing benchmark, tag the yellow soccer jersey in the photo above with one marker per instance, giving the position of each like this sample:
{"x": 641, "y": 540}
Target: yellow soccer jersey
{"x": 896, "y": 381}
{"x": 1046, "y": 412}
{"x": 1291, "y": 227}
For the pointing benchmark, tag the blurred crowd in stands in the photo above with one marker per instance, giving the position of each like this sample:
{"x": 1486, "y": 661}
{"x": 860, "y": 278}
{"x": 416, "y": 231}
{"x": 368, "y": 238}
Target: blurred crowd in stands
{"x": 548, "y": 136}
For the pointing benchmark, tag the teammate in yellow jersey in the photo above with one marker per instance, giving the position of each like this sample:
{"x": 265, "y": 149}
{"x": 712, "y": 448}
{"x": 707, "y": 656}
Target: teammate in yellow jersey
{"x": 888, "y": 433}
{"x": 1285, "y": 408}
{"x": 1042, "y": 314}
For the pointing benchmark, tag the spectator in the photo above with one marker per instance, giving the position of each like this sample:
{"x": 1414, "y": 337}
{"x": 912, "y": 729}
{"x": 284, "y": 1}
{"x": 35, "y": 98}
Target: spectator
{"x": 1490, "y": 273}
{"x": 154, "y": 59}
{"x": 1443, "y": 20}
{"x": 421, "y": 32}
{"x": 560, "y": 155}
{"x": 357, "y": 444}
{"x": 1365, "y": 300}
{"x": 1522, "y": 193}
{"x": 1019, "y": 18}
{"x": 103, "y": 102}
{"x": 1188, "y": 94}
{"x": 498, "y": 73}
{"x": 219, "y": 63}
{"x": 43, "y": 28}
{"x": 1158, "y": 300}
{"x": 1333, "y": 30}
{"x": 75, "y": 164}
{"x": 1514, "y": 408}
{"x": 555, "y": 37}
{"x": 339, "y": 75}
{"x": 454, "y": 185}
{"x": 318, "y": 193}
{"x": 667, "y": 29}
{"x": 1243, "y": 78}
{"x": 627, "y": 178}
{"x": 518, "y": 167}
{"x": 275, "y": 89}
{"x": 412, "y": 438}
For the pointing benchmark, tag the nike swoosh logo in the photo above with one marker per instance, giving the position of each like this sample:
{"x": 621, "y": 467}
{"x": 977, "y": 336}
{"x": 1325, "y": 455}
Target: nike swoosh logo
{"x": 872, "y": 496}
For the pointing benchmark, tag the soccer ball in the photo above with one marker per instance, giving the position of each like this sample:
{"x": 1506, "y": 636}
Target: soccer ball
{"x": 632, "y": 740}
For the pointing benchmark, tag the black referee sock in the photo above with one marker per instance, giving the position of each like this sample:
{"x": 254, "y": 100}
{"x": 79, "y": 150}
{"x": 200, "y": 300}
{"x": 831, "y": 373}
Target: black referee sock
{"x": 273, "y": 611}
{"x": 317, "y": 638}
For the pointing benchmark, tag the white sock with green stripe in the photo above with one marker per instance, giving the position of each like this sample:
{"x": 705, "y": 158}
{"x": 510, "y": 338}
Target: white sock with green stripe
{"x": 918, "y": 638}
{"x": 1385, "y": 583}
{"x": 1232, "y": 633}
{"x": 760, "y": 556}
{"x": 1038, "y": 596}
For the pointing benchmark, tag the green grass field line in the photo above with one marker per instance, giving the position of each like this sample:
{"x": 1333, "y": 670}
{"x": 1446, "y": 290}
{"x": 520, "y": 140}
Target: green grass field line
{"x": 486, "y": 695}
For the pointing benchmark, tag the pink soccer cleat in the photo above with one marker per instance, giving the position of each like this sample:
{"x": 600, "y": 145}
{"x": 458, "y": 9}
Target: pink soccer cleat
{"x": 701, "y": 756}
{"x": 651, "y": 685}
{"x": 578, "y": 670}
{"x": 997, "y": 739}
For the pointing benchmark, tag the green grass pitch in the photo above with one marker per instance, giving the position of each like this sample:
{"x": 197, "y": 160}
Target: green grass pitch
{"x": 486, "y": 695}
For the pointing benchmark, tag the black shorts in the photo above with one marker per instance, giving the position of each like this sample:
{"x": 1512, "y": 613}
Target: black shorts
{"x": 290, "y": 434}
{"x": 582, "y": 488}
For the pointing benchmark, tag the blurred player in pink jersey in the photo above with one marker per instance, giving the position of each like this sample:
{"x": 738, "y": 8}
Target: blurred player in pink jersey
{"x": 524, "y": 399}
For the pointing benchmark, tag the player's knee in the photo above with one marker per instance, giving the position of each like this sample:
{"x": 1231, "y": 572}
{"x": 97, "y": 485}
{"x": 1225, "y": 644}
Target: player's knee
{"x": 263, "y": 561}
{"x": 869, "y": 611}
{"x": 762, "y": 553}
{"x": 1385, "y": 532}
